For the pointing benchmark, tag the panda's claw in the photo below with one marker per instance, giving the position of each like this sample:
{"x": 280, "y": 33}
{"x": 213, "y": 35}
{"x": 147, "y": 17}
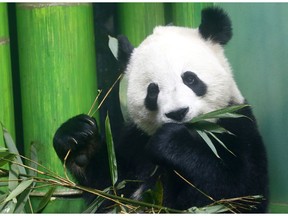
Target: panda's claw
{"x": 74, "y": 140}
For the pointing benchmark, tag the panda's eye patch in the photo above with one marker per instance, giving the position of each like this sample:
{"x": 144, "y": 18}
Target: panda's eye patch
{"x": 152, "y": 96}
{"x": 191, "y": 80}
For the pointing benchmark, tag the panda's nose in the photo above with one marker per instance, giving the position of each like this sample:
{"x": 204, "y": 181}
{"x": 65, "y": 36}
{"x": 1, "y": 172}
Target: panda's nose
{"x": 178, "y": 115}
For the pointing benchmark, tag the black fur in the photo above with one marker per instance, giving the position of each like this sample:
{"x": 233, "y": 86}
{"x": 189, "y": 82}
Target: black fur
{"x": 193, "y": 82}
{"x": 125, "y": 50}
{"x": 174, "y": 147}
{"x": 178, "y": 115}
{"x": 215, "y": 25}
{"x": 152, "y": 97}
{"x": 88, "y": 152}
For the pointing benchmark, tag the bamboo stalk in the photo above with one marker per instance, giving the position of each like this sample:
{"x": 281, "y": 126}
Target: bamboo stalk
{"x": 137, "y": 20}
{"x": 188, "y": 14}
{"x": 6, "y": 91}
{"x": 57, "y": 73}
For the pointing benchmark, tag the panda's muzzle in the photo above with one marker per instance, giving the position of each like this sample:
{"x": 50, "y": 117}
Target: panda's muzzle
{"x": 178, "y": 115}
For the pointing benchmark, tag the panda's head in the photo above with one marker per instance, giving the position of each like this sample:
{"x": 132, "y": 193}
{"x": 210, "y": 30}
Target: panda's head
{"x": 179, "y": 73}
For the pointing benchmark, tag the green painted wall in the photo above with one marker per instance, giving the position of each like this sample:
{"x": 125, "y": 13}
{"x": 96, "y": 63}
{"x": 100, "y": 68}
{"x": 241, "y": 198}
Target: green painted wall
{"x": 258, "y": 53}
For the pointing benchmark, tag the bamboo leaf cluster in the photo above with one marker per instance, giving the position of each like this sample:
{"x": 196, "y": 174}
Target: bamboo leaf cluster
{"x": 206, "y": 128}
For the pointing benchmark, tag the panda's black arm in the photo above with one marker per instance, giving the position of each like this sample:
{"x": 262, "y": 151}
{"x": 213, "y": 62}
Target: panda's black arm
{"x": 132, "y": 160}
{"x": 87, "y": 157}
{"x": 175, "y": 147}
{"x": 130, "y": 152}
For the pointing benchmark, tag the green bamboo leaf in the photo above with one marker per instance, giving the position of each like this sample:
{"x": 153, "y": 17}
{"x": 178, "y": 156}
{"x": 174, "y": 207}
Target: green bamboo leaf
{"x": 158, "y": 193}
{"x": 22, "y": 200}
{"x": 8, "y": 207}
{"x": 34, "y": 158}
{"x": 5, "y": 157}
{"x": 204, "y": 127}
{"x": 12, "y": 149}
{"x": 13, "y": 177}
{"x": 113, "y": 45}
{"x": 2, "y": 204}
{"x": 121, "y": 185}
{"x": 208, "y": 141}
{"x": 209, "y": 209}
{"x": 19, "y": 189}
{"x": 45, "y": 200}
{"x": 154, "y": 195}
{"x": 218, "y": 140}
{"x": 25, "y": 195}
{"x": 2, "y": 149}
{"x": 3, "y": 184}
{"x": 123, "y": 97}
{"x": 111, "y": 151}
{"x": 208, "y": 126}
{"x": 228, "y": 112}
{"x": 92, "y": 208}
{"x": 14, "y": 171}
{"x": 2, "y": 198}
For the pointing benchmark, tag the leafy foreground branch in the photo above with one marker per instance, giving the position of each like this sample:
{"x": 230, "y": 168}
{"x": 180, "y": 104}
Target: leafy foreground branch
{"x": 19, "y": 181}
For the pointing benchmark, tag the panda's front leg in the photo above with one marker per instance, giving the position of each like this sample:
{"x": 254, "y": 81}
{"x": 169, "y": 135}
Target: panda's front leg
{"x": 176, "y": 147}
{"x": 77, "y": 143}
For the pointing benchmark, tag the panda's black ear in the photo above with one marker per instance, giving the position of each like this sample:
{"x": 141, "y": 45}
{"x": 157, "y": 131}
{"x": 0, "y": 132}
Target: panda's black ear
{"x": 215, "y": 25}
{"x": 125, "y": 50}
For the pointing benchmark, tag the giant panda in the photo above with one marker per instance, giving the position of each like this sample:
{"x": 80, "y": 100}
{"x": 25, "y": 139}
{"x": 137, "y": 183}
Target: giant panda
{"x": 173, "y": 76}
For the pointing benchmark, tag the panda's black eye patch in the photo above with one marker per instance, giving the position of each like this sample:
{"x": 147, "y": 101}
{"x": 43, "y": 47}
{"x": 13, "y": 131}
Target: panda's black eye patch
{"x": 152, "y": 96}
{"x": 193, "y": 82}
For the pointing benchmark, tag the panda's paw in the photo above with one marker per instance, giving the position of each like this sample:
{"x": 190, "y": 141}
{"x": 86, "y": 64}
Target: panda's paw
{"x": 79, "y": 136}
{"x": 167, "y": 142}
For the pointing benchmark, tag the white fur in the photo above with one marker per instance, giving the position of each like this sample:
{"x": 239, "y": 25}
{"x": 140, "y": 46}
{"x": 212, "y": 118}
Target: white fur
{"x": 162, "y": 58}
